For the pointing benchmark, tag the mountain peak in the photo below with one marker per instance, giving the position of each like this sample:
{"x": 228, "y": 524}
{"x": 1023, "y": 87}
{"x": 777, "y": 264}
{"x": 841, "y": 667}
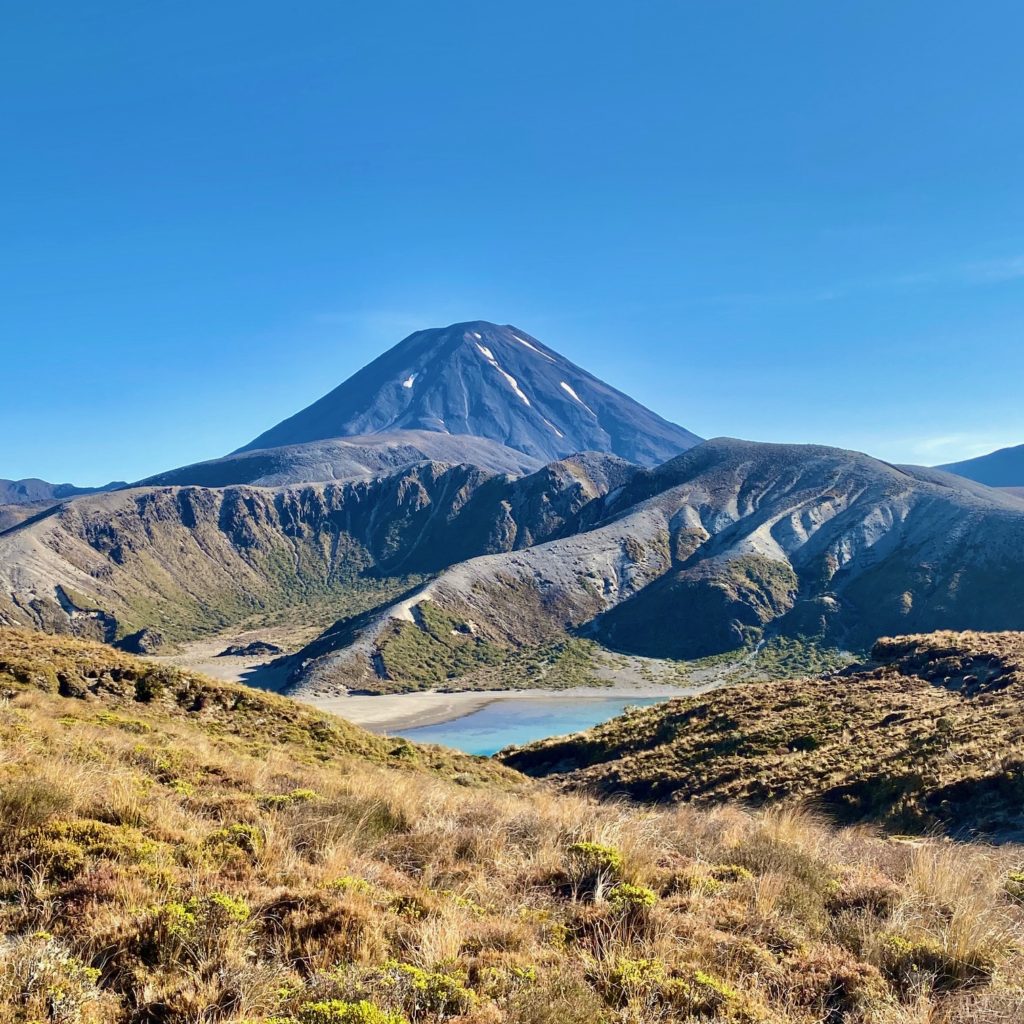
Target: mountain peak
{"x": 486, "y": 380}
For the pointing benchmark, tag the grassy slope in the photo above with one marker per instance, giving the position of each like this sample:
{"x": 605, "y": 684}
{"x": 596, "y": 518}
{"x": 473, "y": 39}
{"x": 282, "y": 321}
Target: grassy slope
{"x": 444, "y": 648}
{"x": 932, "y": 734}
{"x": 180, "y": 851}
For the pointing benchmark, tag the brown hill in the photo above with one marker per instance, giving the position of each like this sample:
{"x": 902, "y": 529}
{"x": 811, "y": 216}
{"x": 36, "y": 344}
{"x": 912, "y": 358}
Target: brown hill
{"x": 930, "y": 733}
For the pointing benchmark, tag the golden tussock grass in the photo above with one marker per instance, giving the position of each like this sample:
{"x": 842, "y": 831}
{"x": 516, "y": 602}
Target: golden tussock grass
{"x": 173, "y": 867}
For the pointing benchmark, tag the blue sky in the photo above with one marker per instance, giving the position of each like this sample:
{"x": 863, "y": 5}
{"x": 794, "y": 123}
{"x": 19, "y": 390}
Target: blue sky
{"x": 797, "y": 221}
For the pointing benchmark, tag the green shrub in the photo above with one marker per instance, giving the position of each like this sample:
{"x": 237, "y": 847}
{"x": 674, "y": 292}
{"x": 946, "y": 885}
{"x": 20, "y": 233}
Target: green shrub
{"x": 703, "y": 995}
{"x": 349, "y": 883}
{"x": 695, "y": 994}
{"x": 194, "y": 928}
{"x": 630, "y": 979}
{"x": 63, "y": 847}
{"x": 1014, "y": 886}
{"x": 48, "y": 982}
{"x": 279, "y": 800}
{"x": 730, "y": 873}
{"x": 909, "y": 963}
{"x": 628, "y": 897}
{"x": 247, "y": 839}
{"x": 420, "y": 991}
{"x": 336, "y": 1011}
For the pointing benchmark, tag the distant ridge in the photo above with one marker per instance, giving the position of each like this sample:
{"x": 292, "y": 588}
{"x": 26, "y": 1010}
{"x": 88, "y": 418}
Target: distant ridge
{"x": 488, "y": 381}
{"x": 32, "y": 490}
{"x": 1003, "y": 468}
{"x": 346, "y": 458}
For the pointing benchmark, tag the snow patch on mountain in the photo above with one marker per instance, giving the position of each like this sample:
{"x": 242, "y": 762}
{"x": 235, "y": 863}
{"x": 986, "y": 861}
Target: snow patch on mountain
{"x": 435, "y": 380}
{"x": 533, "y": 348}
{"x": 572, "y": 394}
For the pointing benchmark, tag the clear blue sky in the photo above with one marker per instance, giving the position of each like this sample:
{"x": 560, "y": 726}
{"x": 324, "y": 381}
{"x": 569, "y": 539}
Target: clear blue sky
{"x": 784, "y": 220}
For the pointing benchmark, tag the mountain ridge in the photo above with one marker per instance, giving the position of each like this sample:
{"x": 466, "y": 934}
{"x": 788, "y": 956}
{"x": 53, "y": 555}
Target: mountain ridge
{"x": 31, "y": 490}
{"x": 346, "y": 458}
{"x": 725, "y": 542}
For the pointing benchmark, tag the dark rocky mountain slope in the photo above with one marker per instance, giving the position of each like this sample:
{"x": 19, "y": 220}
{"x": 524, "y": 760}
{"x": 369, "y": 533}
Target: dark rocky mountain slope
{"x": 190, "y": 560}
{"x": 491, "y": 382}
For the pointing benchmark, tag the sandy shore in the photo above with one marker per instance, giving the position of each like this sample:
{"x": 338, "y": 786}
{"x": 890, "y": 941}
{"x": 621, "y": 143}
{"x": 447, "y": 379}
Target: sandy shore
{"x": 392, "y": 712}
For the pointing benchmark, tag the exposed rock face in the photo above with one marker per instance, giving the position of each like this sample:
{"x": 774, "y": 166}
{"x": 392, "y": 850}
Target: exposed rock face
{"x": 143, "y": 641}
{"x": 1004, "y": 468}
{"x": 256, "y": 649}
{"x": 492, "y": 382}
{"x": 733, "y": 539}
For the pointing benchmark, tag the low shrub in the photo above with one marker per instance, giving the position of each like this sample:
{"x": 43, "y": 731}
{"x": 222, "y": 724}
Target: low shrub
{"x": 627, "y": 898}
{"x": 420, "y": 991}
{"x": 922, "y": 962}
{"x": 336, "y": 1011}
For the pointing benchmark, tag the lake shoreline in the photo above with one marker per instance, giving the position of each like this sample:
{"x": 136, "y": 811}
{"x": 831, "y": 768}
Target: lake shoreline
{"x": 389, "y": 714}
{"x": 393, "y": 713}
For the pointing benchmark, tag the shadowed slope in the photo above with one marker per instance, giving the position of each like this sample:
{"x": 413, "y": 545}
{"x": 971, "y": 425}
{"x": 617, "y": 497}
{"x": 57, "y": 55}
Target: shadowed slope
{"x": 1004, "y": 468}
{"x": 729, "y": 543}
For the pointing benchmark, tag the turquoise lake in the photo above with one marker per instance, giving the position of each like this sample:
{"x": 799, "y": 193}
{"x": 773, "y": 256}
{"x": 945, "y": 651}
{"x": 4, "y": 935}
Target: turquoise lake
{"x": 518, "y": 720}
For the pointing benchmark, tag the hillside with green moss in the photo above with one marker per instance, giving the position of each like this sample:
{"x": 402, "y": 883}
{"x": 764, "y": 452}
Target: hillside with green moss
{"x": 178, "y": 851}
{"x": 191, "y": 561}
{"x": 930, "y": 733}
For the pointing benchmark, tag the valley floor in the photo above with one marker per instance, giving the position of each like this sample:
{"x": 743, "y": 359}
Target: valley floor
{"x": 614, "y": 675}
{"x": 625, "y": 677}
{"x": 264, "y": 673}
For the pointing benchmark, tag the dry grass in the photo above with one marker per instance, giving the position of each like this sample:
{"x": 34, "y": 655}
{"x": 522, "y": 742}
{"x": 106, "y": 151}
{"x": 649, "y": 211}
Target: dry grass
{"x": 156, "y": 866}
